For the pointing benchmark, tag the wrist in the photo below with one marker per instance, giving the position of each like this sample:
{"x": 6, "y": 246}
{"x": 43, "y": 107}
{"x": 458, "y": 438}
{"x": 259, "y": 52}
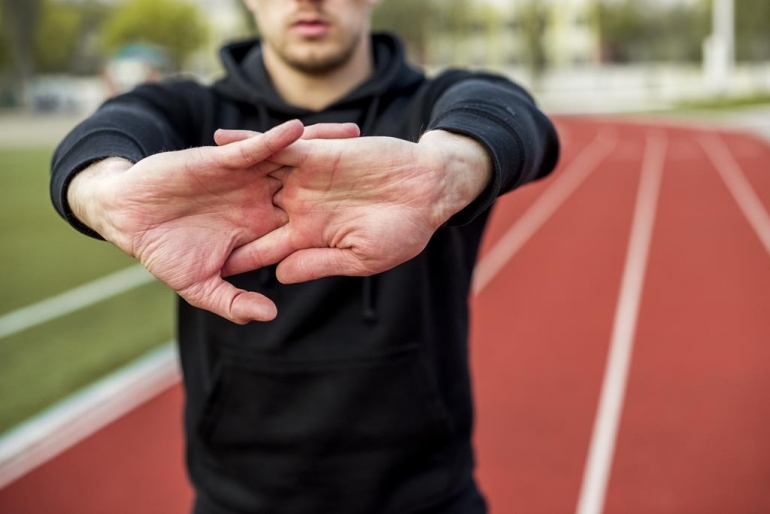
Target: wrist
{"x": 88, "y": 192}
{"x": 463, "y": 169}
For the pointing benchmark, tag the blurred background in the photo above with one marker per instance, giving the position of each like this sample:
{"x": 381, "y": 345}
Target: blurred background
{"x": 60, "y": 56}
{"x": 703, "y": 60}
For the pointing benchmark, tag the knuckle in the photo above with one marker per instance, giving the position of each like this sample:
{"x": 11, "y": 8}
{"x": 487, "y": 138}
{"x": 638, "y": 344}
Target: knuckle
{"x": 244, "y": 153}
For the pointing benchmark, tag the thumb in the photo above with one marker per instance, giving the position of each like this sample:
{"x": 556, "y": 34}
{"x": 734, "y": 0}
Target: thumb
{"x": 226, "y": 300}
{"x": 268, "y": 249}
{"x": 314, "y": 263}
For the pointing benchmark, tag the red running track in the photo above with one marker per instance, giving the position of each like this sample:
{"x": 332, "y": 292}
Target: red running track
{"x": 692, "y": 428}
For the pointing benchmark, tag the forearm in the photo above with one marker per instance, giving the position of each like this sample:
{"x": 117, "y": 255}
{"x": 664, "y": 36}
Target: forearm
{"x": 519, "y": 139}
{"x": 465, "y": 169}
{"x": 86, "y": 193}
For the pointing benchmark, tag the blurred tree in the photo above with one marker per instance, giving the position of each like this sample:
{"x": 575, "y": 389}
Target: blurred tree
{"x": 7, "y": 95}
{"x": 620, "y": 26}
{"x": 89, "y": 54}
{"x": 417, "y": 22}
{"x": 453, "y": 20}
{"x": 5, "y": 52}
{"x": 752, "y": 30}
{"x": 533, "y": 20}
{"x": 20, "y": 19}
{"x": 455, "y": 16}
{"x": 643, "y": 30}
{"x": 60, "y": 40}
{"x": 56, "y": 37}
{"x": 688, "y": 27}
{"x": 176, "y": 26}
{"x": 251, "y": 22}
{"x": 412, "y": 20}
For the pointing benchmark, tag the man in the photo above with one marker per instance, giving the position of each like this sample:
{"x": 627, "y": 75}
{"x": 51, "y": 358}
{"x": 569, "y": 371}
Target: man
{"x": 355, "y": 399}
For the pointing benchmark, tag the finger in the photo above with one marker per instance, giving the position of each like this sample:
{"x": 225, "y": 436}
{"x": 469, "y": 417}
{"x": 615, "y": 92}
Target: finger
{"x": 280, "y": 174}
{"x": 253, "y": 150}
{"x": 267, "y": 168}
{"x": 318, "y": 131}
{"x": 268, "y": 249}
{"x": 226, "y": 136}
{"x": 315, "y": 263}
{"x": 299, "y": 153}
{"x": 331, "y": 131}
{"x": 226, "y": 300}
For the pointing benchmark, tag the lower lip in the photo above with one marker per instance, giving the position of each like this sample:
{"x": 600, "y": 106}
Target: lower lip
{"x": 310, "y": 29}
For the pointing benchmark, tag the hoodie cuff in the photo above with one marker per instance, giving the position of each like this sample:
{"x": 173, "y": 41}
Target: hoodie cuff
{"x": 78, "y": 158}
{"x": 501, "y": 143}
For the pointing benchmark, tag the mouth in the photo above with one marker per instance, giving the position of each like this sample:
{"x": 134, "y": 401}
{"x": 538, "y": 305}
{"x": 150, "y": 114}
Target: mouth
{"x": 311, "y": 27}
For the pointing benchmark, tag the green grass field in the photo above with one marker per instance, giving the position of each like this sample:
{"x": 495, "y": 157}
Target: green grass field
{"x": 727, "y": 103}
{"x": 43, "y": 256}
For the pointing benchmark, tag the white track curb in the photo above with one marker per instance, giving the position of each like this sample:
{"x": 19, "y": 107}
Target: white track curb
{"x": 87, "y": 411}
{"x": 73, "y": 300}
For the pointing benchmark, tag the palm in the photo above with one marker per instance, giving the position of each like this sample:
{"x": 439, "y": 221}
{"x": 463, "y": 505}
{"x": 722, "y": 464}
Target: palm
{"x": 356, "y": 207}
{"x": 181, "y": 214}
{"x": 184, "y": 224}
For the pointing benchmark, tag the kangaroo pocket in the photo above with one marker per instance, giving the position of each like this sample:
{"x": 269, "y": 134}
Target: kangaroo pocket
{"x": 355, "y": 436}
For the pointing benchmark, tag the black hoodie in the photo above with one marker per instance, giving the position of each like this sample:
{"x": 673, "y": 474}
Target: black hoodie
{"x": 357, "y": 398}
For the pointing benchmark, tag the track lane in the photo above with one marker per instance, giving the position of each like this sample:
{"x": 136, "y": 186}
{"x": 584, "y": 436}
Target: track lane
{"x": 694, "y": 429}
{"x": 739, "y": 186}
{"x": 605, "y": 429}
{"x": 540, "y": 336}
{"x": 751, "y": 154}
{"x": 132, "y": 465}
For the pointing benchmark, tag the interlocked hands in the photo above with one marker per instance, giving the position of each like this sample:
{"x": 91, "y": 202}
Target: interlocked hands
{"x": 318, "y": 200}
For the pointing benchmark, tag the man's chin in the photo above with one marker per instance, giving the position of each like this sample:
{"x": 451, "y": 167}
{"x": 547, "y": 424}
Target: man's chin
{"x": 317, "y": 56}
{"x": 318, "y": 63}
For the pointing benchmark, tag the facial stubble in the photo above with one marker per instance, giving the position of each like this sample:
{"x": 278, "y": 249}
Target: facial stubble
{"x": 318, "y": 65}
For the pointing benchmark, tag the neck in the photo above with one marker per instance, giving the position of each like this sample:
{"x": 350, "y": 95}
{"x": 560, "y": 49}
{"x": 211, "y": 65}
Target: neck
{"x": 316, "y": 92}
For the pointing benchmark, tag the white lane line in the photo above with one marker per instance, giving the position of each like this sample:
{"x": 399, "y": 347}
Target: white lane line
{"x": 543, "y": 208}
{"x": 68, "y": 422}
{"x": 602, "y": 449}
{"x": 73, "y": 300}
{"x": 739, "y": 186}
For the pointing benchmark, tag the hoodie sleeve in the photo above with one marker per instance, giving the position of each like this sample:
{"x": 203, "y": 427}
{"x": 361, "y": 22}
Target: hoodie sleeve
{"x": 152, "y": 118}
{"x": 520, "y": 139}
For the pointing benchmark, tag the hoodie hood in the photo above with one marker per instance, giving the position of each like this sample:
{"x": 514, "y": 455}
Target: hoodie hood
{"x": 248, "y": 81}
